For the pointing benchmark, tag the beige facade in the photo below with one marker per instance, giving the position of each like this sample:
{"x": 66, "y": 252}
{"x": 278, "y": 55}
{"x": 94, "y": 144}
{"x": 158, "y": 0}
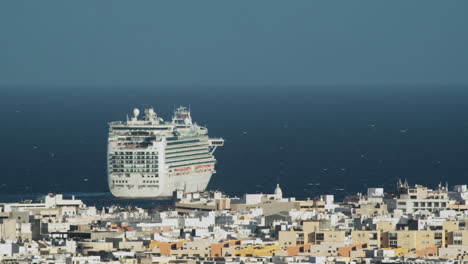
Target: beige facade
{"x": 312, "y": 205}
{"x": 327, "y": 236}
{"x": 86, "y": 247}
{"x": 453, "y": 251}
{"x": 371, "y": 209}
{"x": 413, "y": 239}
{"x": 420, "y": 192}
{"x": 326, "y": 249}
{"x": 197, "y": 248}
{"x": 311, "y": 226}
{"x": 291, "y": 238}
{"x": 369, "y": 237}
{"x": 132, "y": 245}
{"x": 386, "y": 226}
{"x": 450, "y": 226}
{"x": 457, "y": 237}
{"x": 15, "y": 226}
{"x": 307, "y": 235}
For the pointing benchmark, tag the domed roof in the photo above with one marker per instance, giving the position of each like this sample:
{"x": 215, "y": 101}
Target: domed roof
{"x": 278, "y": 192}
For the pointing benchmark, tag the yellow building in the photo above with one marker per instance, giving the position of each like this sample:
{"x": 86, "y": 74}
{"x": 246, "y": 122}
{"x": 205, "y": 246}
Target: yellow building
{"x": 257, "y": 251}
{"x": 129, "y": 260}
{"x": 399, "y": 252}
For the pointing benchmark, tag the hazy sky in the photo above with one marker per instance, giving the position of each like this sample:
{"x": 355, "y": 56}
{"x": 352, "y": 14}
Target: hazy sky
{"x": 233, "y": 42}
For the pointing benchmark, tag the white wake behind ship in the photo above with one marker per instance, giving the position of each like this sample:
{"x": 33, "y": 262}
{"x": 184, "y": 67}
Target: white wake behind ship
{"x": 148, "y": 157}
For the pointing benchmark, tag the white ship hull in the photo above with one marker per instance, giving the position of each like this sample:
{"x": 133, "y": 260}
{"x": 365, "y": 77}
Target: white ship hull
{"x": 189, "y": 183}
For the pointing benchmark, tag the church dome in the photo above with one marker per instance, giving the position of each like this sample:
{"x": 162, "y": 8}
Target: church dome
{"x": 278, "y": 192}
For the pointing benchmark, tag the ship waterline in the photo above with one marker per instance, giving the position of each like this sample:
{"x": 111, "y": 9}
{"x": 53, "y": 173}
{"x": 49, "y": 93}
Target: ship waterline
{"x": 148, "y": 157}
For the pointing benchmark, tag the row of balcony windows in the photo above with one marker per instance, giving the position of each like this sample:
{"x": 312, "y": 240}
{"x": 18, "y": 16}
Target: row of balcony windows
{"x": 134, "y": 170}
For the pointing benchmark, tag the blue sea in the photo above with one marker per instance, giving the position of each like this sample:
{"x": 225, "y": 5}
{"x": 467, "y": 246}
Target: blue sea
{"x": 311, "y": 139}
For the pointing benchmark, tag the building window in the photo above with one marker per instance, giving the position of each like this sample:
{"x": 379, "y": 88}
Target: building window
{"x": 319, "y": 236}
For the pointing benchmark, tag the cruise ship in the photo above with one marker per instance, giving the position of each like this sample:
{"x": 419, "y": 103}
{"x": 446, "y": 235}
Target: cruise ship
{"x": 148, "y": 157}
